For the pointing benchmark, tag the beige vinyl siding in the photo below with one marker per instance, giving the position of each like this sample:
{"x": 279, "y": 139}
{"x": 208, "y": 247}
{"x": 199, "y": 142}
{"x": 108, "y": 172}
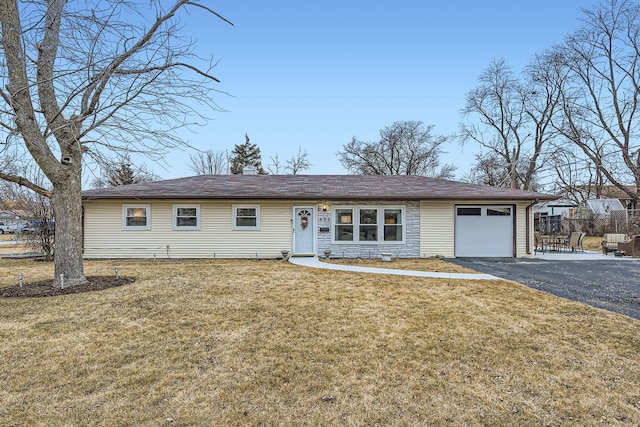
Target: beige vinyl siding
{"x": 437, "y": 223}
{"x": 104, "y": 236}
{"x": 436, "y": 228}
{"x": 521, "y": 229}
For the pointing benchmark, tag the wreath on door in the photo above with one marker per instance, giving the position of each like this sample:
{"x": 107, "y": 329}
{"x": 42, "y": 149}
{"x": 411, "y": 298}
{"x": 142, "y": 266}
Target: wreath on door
{"x": 304, "y": 218}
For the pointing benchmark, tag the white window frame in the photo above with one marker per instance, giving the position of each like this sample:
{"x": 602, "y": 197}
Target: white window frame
{"x": 174, "y": 223}
{"x": 147, "y": 208}
{"x": 234, "y": 225}
{"x": 380, "y": 224}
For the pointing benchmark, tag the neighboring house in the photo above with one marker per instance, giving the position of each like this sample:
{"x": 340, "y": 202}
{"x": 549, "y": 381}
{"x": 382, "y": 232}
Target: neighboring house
{"x": 610, "y": 192}
{"x": 259, "y": 216}
{"x": 548, "y": 215}
{"x": 561, "y": 207}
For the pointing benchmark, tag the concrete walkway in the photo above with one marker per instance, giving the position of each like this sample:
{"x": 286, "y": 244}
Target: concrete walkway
{"x": 314, "y": 262}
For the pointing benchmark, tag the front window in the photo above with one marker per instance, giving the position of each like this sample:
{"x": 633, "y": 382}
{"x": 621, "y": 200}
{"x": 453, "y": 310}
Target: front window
{"x": 344, "y": 225}
{"x": 246, "y": 217}
{"x": 136, "y": 217}
{"x": 186, "y": 217}
{"x": 369, "y": 224}
{"x": 393, "y": 225}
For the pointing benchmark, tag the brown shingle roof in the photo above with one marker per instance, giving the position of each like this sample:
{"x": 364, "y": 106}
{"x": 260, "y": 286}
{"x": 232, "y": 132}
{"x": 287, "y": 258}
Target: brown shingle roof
{"x": 340, "y": 187}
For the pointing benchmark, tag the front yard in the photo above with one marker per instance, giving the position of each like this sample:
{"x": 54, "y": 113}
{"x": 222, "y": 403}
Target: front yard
{"x": 267, "y": 343}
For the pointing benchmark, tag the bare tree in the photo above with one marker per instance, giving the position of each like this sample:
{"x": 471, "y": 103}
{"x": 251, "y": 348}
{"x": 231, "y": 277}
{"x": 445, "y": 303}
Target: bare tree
{"x": 404, "y": 148}
{"x": 513, "y": 119}
{"x": 79, "y": 77}
{"x": 489, "y": 169}
{"x": 601, "y": 96}
{"x": 293, "y": 166}
{"x": 210, "y": 162}
{"x": 275, "y": 166}
{"x": 32, "y": 207}
{"x": 575, "y": 177}
{"x": 298, "y": 162}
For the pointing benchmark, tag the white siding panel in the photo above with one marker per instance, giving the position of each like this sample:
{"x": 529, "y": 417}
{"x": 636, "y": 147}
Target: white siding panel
{"x": 436, "y": 228}
{"x": 105, "y": 238}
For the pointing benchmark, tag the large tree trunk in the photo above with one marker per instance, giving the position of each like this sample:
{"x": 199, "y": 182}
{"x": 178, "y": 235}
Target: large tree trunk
{"x": 67, "y": 206}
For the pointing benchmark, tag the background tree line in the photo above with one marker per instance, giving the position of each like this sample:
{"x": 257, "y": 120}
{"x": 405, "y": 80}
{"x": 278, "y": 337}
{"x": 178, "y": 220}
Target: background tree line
{"x": 569, "y": 123}
{"x": 90, "y": 83}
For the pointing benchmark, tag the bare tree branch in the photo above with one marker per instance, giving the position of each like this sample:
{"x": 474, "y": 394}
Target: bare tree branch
{"x": 404, "y": 148}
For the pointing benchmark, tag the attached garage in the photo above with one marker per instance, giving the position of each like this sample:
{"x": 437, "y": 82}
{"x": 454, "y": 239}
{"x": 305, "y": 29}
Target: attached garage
{"x": 262, "y": 216}
{"x": 484, "y": 230}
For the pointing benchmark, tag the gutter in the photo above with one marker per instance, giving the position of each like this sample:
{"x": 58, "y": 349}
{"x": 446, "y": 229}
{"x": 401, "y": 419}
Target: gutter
{"x": 528, "y": 226}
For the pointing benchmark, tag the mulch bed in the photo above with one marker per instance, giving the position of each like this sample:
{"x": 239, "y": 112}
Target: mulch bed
{"x": 47, "y": 289}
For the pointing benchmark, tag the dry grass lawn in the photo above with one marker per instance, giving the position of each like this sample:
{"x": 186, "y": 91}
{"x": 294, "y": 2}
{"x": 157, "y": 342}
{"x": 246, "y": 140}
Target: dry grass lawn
{"x": 12, "y": 248}
{"x": 267, "y": 343}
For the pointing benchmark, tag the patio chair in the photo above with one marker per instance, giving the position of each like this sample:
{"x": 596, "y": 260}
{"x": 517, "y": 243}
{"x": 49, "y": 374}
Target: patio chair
{"x": 575, "y": 241}
{"x": 538, "y": 241}
{"x": 581, "y": 242}
{"x": 611, "y": 240}
{"x": 630, "y": 248}
{"x": 565, "y": 243}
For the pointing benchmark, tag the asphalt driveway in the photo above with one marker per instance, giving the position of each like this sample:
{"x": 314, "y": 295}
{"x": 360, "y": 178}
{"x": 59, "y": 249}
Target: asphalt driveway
{"x": 609, "y": 284}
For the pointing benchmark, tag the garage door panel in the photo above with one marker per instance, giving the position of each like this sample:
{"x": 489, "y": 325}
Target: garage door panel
{"x": 484, "y": 231}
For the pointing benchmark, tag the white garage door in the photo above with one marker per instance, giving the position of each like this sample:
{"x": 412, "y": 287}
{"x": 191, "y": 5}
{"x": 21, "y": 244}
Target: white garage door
{"x": 484, "y": 231}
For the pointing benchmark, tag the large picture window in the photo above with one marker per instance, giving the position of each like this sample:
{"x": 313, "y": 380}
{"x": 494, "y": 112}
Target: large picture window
{"x": 368, "y": 224}
{"x": 186, "y": 217}
{"x": 136, "y": 217}
{"x": 246, "y": 217}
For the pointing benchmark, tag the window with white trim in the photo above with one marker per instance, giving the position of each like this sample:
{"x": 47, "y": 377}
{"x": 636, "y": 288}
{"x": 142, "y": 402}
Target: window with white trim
{"x": 369, "y": 224}
{"x": 186, "y": 217}
{"x": 368, "y": 231}
{"x": 136, "y": 217}
{"x": 344, "y": 225}
{"x": 246, "y": 217}
{"x": 393, "y": 227}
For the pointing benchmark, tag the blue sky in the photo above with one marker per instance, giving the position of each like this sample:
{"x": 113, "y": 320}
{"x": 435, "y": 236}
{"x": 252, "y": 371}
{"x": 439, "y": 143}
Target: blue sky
{"x": 313, "y": 75}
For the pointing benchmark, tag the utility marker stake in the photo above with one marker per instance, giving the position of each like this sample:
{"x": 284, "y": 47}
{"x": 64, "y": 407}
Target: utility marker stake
{"x": 116, "y": 269}
{"x": 20, "y": 280}
{"x": 61, "y": 280}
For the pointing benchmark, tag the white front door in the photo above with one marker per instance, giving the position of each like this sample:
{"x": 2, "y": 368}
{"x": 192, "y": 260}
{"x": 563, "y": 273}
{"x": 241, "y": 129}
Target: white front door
{"x": 303, "y": 230}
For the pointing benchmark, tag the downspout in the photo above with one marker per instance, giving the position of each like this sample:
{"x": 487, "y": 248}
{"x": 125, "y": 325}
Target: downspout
{"x": 528, "y": 226}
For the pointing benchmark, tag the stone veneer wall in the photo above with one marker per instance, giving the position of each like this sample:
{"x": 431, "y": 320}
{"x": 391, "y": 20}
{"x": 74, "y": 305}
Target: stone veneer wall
{"x": 409, "y": 249}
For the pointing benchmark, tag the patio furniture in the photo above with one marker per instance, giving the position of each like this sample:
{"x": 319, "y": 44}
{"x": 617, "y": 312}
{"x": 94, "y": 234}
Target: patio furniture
{"x": 611, "y": 240}
{"x": 575, "y": 241}
{"x": 563, "y": 242}
{"x": 538, "y": 241}
{"x": 630, "y": 248}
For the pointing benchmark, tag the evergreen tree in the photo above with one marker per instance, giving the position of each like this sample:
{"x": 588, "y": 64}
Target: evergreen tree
{"x": 246, "y": 154}
{"x": 123, "y": 173}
